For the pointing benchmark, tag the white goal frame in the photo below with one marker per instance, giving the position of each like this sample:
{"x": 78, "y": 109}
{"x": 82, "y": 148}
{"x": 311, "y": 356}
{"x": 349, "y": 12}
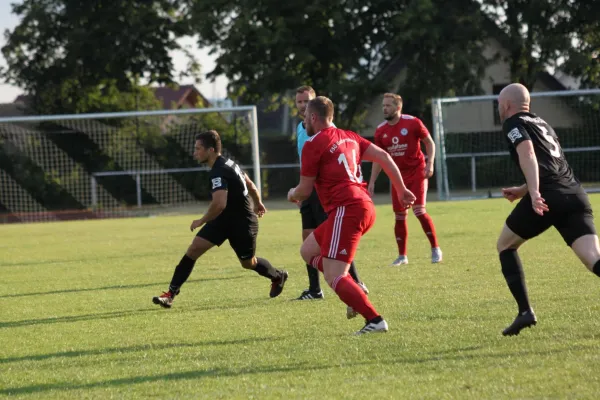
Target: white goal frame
{"x": 251, "y": 110}
{"x": 441, "y": 165}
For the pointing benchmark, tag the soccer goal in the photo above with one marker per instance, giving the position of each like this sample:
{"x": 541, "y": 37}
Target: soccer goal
{"x": 115, "y": 164}
{"x": 473, "y": 160}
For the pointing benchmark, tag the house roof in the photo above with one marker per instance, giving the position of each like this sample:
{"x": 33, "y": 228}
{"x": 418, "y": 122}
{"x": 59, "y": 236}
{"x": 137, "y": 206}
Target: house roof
{"x": 178, "y": 94}
{"x": 166, "y": 94}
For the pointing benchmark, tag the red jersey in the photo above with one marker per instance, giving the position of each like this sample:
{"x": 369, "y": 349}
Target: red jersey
{"x": 333, "y": 156}
{"x": 403, "y": 141}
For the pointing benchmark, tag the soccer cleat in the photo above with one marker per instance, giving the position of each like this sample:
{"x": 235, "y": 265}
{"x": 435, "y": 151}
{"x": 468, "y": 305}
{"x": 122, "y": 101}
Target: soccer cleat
{"x": 401, "y": 260}
{"x": 350, "y": 313}
{"x": 308, "y": 295}
{"x": 372, "y": 327}
{"x": 277, "y": 284}
{"x": 524, "y": 320}
{"x": 436, "y": 255}
{"x": 165, "y": 300}
{"x": 364, "y": 287}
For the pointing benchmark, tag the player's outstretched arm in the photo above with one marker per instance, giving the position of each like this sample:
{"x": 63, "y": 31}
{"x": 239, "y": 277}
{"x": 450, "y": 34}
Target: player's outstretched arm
{"x": 530, "y": 168}
{"x": 303, "y": 190}
{"x": 259, "y": 207}
{"x": 215, "y": 208}
{"x": 375, "y": 171}
{"x": 430, "y": 149}
{"x": 381, "y": 157}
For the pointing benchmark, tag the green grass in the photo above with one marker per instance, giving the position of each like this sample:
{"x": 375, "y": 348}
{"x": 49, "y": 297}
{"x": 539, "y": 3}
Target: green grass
{"x": 77, "y": 320}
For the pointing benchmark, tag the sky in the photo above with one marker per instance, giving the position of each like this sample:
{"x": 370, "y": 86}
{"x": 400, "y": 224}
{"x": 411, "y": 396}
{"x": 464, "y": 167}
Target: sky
{"x": 216, "y": 90}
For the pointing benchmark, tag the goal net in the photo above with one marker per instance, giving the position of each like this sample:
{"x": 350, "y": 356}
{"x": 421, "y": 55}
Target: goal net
{"x": 114, "y": 164}
{"x": 473, "y": 159}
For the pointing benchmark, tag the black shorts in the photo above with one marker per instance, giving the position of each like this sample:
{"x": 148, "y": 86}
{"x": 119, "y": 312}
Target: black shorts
{"x": 241, "y": 234}
{"x": 571, "y": 215}
{"x": 312, "y": 212}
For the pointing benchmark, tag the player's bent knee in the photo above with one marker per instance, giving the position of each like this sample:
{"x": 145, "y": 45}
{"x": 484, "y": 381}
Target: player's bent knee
{"x": 419, "y": 210}
{"x": 587, "y": 248}
{"x": 249, "y": 263}
{"x": 401, "y": 215}
{"x": 306, "y": 233}
{"x": 198, "y": 247}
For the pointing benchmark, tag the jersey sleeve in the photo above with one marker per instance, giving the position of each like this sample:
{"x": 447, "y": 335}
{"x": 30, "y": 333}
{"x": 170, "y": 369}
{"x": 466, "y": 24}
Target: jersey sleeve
{"x": 422, "y": 131}
{"x": 516, "y": 134}
{"x": 218, "y": 181}
{"x": 310, "y": 160}
{"x": 363, "y": 144}
{"x": 377, "y": 139}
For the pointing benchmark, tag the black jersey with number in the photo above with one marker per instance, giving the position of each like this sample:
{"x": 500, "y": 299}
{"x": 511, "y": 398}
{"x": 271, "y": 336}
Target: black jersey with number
{"x": 555, "y": 172}
{"x": 227, "y": 175}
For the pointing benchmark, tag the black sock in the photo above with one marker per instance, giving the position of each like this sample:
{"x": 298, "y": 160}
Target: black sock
{"x": 596, "y": 268}
{"x": 181, "y": 274}
{"x": 515, "y": 279}
{"x": 264, "y": 268}
{"x": 353, "y": 272}
{"x": 376, "y": 320}
{"x": 314, "y": 286}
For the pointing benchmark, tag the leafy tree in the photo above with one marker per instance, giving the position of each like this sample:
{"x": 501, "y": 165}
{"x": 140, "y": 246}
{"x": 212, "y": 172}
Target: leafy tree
{"x": 63, "y": 51}
{"x": 342, "y": 48}
{"x": 542, "y": 34}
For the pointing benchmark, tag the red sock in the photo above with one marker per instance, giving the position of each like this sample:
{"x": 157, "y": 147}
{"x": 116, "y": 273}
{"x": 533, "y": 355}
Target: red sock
{"x": 351, "y": 294}
{"x": 428, "y": 228}
{"x": 401, "y": 231}
{"x": 317, "y": 262}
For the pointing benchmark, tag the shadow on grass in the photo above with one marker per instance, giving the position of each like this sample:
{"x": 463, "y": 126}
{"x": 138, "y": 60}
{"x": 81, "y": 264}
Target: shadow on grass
{"x": 84, "y": 259}
{"x": 134, "y": 349}
{"x": 116, "y": 287}
{"x": 119, "y": 314}
{"x": 447, "y": 355}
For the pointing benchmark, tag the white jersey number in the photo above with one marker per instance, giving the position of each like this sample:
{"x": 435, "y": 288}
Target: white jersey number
{"x": 355, "y": 175}
{"x": 555, "y": 150}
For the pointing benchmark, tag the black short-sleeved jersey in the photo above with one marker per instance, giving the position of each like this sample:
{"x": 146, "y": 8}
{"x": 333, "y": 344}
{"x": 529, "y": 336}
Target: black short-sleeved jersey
{"x": 555, "y": 172}
{"x": 227, "y": 175}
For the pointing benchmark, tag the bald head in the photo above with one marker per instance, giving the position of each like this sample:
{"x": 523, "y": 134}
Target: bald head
{"x": 513, "y": 99}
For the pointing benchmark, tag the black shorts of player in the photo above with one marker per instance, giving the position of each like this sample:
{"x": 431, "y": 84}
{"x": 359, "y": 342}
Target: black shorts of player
{"x": 312, "y": 212}
{"x": 571, "y": 215}
{"x": 241, "y": 234}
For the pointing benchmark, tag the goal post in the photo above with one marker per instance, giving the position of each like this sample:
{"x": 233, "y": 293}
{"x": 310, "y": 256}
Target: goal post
{"x": 473, "y": 159}
{"x": 109, "y": 164}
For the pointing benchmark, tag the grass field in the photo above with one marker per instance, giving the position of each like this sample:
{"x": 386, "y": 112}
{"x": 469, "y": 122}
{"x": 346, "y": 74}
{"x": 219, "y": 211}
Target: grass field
{"x": 77, "y": 319}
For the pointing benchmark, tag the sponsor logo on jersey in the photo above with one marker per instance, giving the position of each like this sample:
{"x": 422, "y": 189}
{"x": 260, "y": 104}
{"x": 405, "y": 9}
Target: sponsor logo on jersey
{"x": 395, "y": 140}
{"x": 404, "y": 131}
{"x": 216, "y": 182}
{"x": 514, "y": 134}
{"x": 536, "y": 120}
{"x": 337, "y": 144}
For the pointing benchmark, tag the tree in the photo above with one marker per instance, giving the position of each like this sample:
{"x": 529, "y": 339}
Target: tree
{"x": 269, "y": 47}
{"x": 442, "y": 47}
{"x": 341, "y": 48}
{"x": 65, "y": 50}
{"x": 542, "y": 34}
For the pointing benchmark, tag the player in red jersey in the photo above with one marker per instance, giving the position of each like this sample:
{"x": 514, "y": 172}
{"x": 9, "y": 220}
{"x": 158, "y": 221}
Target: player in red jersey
{"x": 331, "y": 162}
{"x": 401, "y": 136}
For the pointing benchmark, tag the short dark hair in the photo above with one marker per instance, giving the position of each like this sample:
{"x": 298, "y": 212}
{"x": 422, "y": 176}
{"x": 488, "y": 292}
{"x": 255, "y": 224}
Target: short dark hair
{"x": 321, "y": 106}
{"x": 308, "y": 89}
{"x": 210, "y": 139}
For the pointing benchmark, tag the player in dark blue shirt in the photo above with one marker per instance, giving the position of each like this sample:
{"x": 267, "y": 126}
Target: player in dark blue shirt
{"x": 230, "y": 216}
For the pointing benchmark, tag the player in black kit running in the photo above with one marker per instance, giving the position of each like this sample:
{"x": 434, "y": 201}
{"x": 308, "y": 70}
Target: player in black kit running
{"x": 552, "y": 196}
{"x": 229, "y": 217}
